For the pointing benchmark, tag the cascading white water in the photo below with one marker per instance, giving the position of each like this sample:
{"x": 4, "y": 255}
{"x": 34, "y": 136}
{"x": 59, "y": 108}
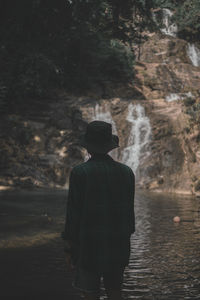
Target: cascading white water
{"x": 139, "y": 136}
{"x": 102, "y": 113}
{"x": 169, "y": 27}
{"x": 194, "y": 54}
{"x": 178, "y": 96}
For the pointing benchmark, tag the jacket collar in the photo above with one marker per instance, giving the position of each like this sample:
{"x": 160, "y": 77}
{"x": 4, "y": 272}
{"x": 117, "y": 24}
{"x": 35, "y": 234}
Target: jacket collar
{"x": 100, "y": 157}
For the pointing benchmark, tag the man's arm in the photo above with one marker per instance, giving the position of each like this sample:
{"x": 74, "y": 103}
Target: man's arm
{"x": 73, "y": 211}
{"x": 132, "y": 204}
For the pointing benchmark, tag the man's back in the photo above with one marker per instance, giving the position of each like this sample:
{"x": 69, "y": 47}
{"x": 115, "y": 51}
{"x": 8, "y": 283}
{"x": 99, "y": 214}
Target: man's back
{"x": 103, "y": 192}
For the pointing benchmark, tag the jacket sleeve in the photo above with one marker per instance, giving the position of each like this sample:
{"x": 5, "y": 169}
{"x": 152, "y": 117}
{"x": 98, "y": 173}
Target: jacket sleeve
{"x": 132, "y": 203}
{"x": 73, "y": 210}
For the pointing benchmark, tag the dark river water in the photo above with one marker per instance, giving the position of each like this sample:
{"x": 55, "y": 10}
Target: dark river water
{"x": 165, "y": 257}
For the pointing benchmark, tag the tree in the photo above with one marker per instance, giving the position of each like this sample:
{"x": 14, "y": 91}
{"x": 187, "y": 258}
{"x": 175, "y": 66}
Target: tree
{"x": 187, "y": 17}
{"x": 68, "y": 43}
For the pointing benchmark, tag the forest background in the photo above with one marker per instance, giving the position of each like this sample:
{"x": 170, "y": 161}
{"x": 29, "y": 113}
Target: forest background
{"x": 77, "y": 44}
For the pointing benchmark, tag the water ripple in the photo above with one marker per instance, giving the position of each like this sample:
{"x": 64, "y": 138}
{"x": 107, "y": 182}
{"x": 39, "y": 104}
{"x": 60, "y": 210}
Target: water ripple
{"x": 165, "y": 257}
{"x": 164, "y": 262}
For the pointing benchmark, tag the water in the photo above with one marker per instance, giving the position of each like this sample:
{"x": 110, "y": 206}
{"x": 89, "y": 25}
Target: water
{"x": 194, "y": 54}
{"x": 172, "y": 97}
{"x": 164, "y": 262}
{"x": 169, "y": 27}
{"x": 165, "y": 256}
{"x": 178, "y": 96}
{"x": 102, "y": 113}
{"x": 139, "y": 136}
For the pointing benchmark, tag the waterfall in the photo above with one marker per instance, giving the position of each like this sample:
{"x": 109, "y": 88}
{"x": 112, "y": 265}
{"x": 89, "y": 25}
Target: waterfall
{"x": 172, "y": 97}
{"x": 169, "y": 28}
{"x": 178, "y": 96}
{"x": 102, "y": 113}
{"x": 194, "y": 54}
{"x": 139, "y": 136}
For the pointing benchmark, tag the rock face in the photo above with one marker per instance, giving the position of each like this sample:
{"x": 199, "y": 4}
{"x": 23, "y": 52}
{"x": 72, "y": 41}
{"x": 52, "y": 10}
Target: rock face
{"x": 170, "y": 84}
{"x": 166, "y": 68}
{"x": 157, "y": 121}
{"x": 38, "y": 146}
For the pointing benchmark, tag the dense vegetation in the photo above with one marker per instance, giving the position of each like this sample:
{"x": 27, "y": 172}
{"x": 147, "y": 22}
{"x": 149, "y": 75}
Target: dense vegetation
{"x": 186, "y": 16}
{"x": 72, "y": 43}
{"x": 76, "y": 44}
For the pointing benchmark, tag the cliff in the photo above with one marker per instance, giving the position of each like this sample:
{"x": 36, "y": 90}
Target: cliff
{"x": 157, "y": 120}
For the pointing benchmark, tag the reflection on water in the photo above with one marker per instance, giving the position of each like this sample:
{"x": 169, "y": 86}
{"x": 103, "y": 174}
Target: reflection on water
{"x": 165, "y": 257}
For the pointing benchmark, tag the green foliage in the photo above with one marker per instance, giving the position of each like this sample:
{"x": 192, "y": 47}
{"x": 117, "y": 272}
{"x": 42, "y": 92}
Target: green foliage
{"x": 118, "y": 63}
{"x": 193, "y": 110}
{"x": 186, "y": 16}
{"x": 98, "y": 60}
{"x": 190, "y": 111}
{"x": 161, "y": 4}
{"x": 197, "y": 186}
{"x": 194, "y": 178}
{"x": 189, "y": 101}
{"x": 75, "y": 44}
{"x": 187, "y": 129}
{"x": 198, "y": 138}
{"x": 35, "y": 73}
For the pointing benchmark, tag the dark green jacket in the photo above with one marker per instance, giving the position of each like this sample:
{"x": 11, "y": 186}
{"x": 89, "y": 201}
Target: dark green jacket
{"x": 100, "y": 213}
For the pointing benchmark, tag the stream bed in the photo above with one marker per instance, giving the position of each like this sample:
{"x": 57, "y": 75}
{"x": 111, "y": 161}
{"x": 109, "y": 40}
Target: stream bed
{"x": 165, "y": 256}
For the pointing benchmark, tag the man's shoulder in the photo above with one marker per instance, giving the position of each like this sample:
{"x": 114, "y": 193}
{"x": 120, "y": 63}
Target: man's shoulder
{"x": 86, "y": 166}
{"x": 81, "y": 168}
{"x": 124, "y": 167}
{"x": 78, "y": 168}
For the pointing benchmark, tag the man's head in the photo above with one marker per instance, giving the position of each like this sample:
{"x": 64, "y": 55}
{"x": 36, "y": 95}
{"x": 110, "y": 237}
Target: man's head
{"x": 99, "y": 138}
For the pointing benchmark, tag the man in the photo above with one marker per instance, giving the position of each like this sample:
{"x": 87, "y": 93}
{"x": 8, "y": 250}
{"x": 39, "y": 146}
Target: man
{"x": 100, "y": 216}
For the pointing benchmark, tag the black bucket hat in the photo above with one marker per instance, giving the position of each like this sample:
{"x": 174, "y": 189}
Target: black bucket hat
{"x": 99, "y": 138}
